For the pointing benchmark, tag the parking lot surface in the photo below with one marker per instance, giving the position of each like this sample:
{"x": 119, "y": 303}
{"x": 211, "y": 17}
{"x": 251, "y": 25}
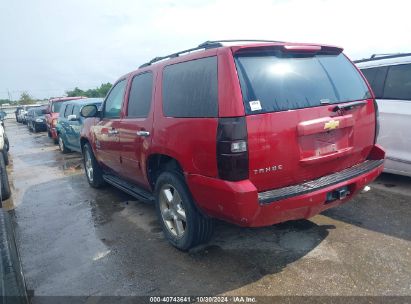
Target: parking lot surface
{"x": 75, "y": 240}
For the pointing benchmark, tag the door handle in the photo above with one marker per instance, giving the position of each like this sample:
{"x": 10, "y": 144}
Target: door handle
{"x": 112, "y": 132}
{"x": 143, "y": 133}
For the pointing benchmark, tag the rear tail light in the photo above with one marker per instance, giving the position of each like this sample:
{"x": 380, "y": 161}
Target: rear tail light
{"x": 232, "y": 150}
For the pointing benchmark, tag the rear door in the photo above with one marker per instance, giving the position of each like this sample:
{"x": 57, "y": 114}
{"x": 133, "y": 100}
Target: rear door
{"x": 392, "y": 88}
{"x": 136, "y": 128}
{"x": 107, "y": 129}
{"x": 296, "y": 132}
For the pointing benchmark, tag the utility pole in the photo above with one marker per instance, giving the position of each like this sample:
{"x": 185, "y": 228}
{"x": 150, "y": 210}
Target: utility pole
{"x": 8, "y": 93}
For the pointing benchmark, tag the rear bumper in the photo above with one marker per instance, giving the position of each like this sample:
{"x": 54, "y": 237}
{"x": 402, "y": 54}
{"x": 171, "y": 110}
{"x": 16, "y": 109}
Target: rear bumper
{"x": 241, "y": 204}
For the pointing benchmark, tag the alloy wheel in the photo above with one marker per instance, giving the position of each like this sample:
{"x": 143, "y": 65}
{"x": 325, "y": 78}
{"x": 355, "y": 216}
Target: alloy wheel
{"x": 88, "y": 165}
{"x": 61, "y": 144}
{"x": 172, "y": 210}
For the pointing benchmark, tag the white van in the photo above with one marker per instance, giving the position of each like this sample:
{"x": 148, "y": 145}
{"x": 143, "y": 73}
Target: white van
{"x": 390, "y": 79}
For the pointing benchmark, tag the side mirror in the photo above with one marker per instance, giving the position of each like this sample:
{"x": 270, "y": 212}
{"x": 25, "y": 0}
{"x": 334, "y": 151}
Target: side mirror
{"x": 72, "y": 117}
{"x": 89, "y": 111}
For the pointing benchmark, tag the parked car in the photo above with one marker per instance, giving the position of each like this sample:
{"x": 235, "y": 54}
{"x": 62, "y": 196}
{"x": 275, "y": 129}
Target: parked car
{"x": 3, "y": 116}
{"x": 52, "y": 115}
{"x": 5, "y": 144}
{"x": 70, "y": 123}
{"x": 17, "y": 113}
{"x": 4, "y": 161}
{"x": 21, "y": 112}
{"x": 390, "y": 79}
{"x": 36, "y": 120}
{"x": 253, "y": 134}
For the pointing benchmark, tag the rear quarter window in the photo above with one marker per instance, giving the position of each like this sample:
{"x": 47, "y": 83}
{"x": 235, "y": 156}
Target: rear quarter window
{"x": 190, "y": 88}
{"x": 376, "y": 78}
{"x": 55, "y": 106}
{"x": 398, "y": 82}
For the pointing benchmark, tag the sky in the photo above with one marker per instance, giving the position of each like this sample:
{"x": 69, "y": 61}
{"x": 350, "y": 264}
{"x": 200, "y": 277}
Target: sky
{"x": 50, "y": 46}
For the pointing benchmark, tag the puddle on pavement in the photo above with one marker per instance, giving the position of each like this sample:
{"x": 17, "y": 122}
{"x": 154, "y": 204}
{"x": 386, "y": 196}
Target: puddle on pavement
{"x": 35, "y": 159}
{"x": 102, "y": 211}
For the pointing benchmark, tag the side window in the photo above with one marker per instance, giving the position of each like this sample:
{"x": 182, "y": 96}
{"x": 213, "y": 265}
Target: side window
{"x": 62, "y": 110}
{"x": 69, "y": 110}
{"x": 139, "y": 100}
{"x": 190, "y": 88}
{"x": 112, "y": 106}
{"x": 76, "y": 110}
{"x": 398, "y": 82}
{"x": 376, "y": 78}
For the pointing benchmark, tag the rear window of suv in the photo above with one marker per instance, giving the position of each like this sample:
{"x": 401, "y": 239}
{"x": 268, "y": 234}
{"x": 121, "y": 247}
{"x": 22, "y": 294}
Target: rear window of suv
{"x": 56, "y": 106}
{"x": 274, "y": 81}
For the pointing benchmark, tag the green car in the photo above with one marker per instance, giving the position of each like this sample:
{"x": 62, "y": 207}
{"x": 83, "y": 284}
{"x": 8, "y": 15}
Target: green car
{"x": 70, "y": 123}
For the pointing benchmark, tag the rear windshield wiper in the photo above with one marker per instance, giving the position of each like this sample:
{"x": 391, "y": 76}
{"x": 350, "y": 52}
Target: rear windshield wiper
{"x": 348, "y": 106}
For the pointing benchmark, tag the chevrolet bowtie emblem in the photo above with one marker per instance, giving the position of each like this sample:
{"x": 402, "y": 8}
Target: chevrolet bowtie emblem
{"x": 331, "y": 125}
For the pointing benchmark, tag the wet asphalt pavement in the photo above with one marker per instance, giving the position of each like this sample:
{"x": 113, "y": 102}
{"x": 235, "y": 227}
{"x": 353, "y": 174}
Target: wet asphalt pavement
{"x": 75, "y": 240}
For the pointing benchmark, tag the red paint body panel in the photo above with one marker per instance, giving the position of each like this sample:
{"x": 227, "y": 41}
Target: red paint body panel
{"x": 237, "y": 202}
{"x": 107, "y": 146}
{"x": 296, "y": 143}
{"x": 191, "y": 141}
{"x": 229, "y": 92}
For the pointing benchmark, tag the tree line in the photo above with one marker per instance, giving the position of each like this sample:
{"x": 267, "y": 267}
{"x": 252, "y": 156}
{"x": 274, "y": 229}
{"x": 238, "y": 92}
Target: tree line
{"x": 26, "y": 98}
{"x": 97, "y": 92}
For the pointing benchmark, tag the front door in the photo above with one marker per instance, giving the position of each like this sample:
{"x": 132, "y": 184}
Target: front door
{"x": 107, "y": 130}
{"x": 73, "y": 134}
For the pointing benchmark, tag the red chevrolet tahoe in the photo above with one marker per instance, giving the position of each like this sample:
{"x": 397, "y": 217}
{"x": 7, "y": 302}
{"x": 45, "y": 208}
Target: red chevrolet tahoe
{"x": 52, "y": 114}
{"x": 251, "y": 133}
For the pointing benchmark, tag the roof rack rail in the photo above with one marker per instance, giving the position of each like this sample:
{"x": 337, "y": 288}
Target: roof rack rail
{"x": 382, "y": 56}
{"x": 239, "y": 40}
{"x": 201, "y": 46}
{"x": 205, "y": 45}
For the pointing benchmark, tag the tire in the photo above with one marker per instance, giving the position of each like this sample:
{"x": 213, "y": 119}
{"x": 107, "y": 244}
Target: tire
{"x": 6, "y": 157}
{"x": 62, "y": 145}
{"x": 5, "y": 186}
{"x": 198, "y": 228}
{"x": 6, "y": 142}
{"x": 95, "y": 176}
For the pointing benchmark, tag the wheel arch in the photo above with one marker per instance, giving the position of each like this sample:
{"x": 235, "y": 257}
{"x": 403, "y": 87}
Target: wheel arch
{"x": 83, "y": 141}
{"x": 157, "y": 163}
